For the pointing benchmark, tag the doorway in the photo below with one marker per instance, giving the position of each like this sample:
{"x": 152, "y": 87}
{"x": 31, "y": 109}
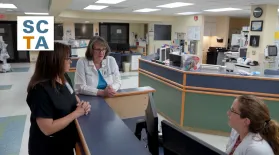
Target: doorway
{"x": 8, "y": 31}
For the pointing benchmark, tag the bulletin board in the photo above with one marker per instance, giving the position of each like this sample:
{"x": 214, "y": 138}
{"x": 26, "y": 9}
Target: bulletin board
{"x": 194, "y": 33}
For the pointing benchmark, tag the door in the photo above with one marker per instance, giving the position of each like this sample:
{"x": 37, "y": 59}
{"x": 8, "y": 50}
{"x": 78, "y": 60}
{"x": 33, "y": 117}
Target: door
{"x": 8, "y": 31}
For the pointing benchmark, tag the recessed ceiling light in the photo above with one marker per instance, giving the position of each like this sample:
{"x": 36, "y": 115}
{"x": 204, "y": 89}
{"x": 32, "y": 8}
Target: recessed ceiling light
{"x": 86, "y": 21}
{"x": 35, "y": 13}
{"x": 146, "y": 10}
{"x": 95, "y": 7}
{"x": 7, "y": 6}
{"x": 223, "y": 9}
{"x": 188, "y": 13}
{"x": 175, "y": 5}
{"x": 109, "y": 1}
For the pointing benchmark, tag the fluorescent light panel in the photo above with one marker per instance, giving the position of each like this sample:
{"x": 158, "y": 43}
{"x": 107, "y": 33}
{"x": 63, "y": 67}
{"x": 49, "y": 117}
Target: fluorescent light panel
{"x": 95, "y": 7}
{"x": 223, "y": 9}
{"x": 109, "y": 1}
{"x": 188, "y": 13}
{"x": 146, "y": 10}
{"x": 35, "y": 13}
{"x": 7, "y": 6}
{"x": 175, "y": 5}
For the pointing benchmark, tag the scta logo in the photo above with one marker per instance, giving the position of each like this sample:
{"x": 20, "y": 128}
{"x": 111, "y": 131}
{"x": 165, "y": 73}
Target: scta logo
{"x": 35, "y": 33}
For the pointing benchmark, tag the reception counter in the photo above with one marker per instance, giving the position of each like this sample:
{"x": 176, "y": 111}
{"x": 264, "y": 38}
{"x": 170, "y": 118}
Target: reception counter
{"x": 102, "y": 131}
{"x": 199, "y": 100}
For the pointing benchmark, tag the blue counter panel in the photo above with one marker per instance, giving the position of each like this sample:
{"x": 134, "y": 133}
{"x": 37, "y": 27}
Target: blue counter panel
{"x": 230, "y": 83}
{"x": 169, "y": 74}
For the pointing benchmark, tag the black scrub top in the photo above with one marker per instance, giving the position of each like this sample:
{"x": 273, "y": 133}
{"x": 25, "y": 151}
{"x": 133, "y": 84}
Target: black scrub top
{"x": 48, "y": 102}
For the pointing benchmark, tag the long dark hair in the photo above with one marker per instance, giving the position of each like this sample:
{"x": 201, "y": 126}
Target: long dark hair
{"x": 89, "y": 54}
{"x": 260, "y": 122}
{"x": 50, "y": 65}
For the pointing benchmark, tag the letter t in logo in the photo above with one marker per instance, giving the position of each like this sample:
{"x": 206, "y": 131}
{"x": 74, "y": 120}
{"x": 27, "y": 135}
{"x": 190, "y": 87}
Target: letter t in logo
{"x": 28, "y": 39}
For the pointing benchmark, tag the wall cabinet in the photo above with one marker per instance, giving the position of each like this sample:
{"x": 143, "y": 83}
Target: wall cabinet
{"x": 210, "y": 29}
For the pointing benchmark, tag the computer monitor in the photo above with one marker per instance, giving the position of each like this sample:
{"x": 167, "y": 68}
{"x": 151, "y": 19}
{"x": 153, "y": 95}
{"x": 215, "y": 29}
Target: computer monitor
{"x": 151, "y": 119}
{"x": 168, "y": 50}
{"x": 122, "y": 47}
{"x": 272, "y": 50}
{"x": 180, "y": 142}
{"x": 175, "y": 60}
{"x": 113, "y": 46}
{"x": 242, "y": 52}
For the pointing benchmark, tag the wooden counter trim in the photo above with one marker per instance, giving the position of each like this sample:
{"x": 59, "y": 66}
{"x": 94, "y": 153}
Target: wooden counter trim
{"x": 230, "y": 95}
{"x": 82, "y": 139}
{"x": 162, "y": 78}
{"x": 183, "y": 101}
{"x": 134, "y": 93}
{"x": 153, "y": 63}
{"x": 232, "y": 91}
{"x": 78, "y": 149}
{"x": 211, "y": 74}
{"x": 72, "y": 70}
{"x": 160, "y": 81}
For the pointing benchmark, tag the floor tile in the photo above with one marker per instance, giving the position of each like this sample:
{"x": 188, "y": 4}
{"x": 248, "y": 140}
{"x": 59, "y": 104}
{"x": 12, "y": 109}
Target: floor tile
{"x": 22, "y": 69}
{"x": 11, "y": 133}
{"x": 5, "y": 87}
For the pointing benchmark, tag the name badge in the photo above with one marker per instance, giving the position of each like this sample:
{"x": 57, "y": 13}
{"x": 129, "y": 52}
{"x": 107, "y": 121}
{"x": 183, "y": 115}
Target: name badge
{"x": 69, "y": 88}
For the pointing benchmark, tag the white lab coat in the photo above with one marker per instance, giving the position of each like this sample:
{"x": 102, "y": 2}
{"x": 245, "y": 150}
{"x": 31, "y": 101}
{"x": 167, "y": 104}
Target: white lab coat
{"x": 252, "y": 144}
{"x": 87, "y": 78}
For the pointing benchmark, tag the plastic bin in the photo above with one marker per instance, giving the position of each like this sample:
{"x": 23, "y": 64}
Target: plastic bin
{"x": 126, "y": 66}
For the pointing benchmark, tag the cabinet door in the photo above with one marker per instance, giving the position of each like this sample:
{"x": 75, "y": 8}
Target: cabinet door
{"x": 213, "y": 29}
{"x": 206, "y": 29}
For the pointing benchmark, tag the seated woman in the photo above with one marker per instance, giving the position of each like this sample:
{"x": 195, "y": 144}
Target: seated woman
{"x": 253, "y": 131}
{"x": 97, "y": 74}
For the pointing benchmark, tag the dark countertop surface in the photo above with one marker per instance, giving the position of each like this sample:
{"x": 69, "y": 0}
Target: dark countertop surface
{"x": 104, "y": 131}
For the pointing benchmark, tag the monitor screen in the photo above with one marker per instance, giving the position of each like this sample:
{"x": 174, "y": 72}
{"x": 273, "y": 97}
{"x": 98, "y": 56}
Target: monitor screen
{"x": 272, "y": 51}
{"x": 151, "y": 119}
{"x": 243, "y": 52}
{"x": 179, "y": 142}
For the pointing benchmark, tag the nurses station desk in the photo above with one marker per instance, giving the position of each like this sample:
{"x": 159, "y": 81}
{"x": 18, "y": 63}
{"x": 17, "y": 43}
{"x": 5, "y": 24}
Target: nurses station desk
{"x": 199, "y": 100}
{"x": 102, "y": 131}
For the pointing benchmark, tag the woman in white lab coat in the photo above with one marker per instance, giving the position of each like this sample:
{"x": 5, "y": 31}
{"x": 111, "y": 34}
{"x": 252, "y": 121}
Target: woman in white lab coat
{"x": 253, "y": 131}
{"x": 97, "y": 74}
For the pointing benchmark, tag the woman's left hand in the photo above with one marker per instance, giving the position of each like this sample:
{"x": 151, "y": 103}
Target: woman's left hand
{"x": 86, "y": 106}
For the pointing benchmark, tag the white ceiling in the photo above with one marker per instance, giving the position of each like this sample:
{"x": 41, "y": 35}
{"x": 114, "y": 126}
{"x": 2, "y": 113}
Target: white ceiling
{"x": 129, "y": 5}
{"x": 26, "y": 6}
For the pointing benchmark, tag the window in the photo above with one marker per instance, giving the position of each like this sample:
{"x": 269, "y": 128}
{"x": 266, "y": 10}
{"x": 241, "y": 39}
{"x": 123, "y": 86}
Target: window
{"x": 83, "y": 31}
{"x": 58, "y": 31}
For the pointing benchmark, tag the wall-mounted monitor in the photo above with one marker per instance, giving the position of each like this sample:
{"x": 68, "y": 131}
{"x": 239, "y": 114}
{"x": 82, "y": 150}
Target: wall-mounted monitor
{"x": 162, "y": 32}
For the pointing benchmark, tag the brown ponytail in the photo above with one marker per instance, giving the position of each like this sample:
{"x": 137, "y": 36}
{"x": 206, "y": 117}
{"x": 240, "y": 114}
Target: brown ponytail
{"x": 257, "y": 112}
{"x": 271, "y": 134}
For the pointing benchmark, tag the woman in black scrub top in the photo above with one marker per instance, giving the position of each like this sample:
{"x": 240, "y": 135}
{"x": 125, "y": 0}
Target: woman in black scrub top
{"x": 53, "y": 105}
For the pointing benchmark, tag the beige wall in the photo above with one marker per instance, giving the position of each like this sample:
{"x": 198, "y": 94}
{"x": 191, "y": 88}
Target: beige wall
{"x": 136, "y": 28}
{"x": 270, "y": 19}
{"x": 222, "y": 31}
{"x": 154, "y": 44}
{"x": 181, "y": 24}
{"x": 236, "y": 25}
